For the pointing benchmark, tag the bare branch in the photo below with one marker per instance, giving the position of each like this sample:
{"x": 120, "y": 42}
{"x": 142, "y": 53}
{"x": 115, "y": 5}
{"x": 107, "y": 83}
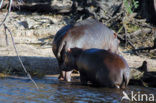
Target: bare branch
{"x": 10, "y": 3}
{"x": 1, "y": 3}
{"x": 140, "y": 49}
{"x": 6, "y": 28}
{"x": 25, "y": 70}
{"x": 144, "y": 30}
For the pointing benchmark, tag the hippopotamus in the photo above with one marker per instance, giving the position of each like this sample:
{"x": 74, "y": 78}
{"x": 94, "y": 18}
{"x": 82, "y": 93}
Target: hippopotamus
{"x": 86, "y": 34}
{"x": 99, "y": 66}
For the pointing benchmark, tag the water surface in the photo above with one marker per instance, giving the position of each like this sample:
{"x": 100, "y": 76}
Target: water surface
{"x": 21, "y": 90}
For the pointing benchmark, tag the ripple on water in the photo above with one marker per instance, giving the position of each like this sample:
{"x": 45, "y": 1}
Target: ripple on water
{"x": 53, "y": 91}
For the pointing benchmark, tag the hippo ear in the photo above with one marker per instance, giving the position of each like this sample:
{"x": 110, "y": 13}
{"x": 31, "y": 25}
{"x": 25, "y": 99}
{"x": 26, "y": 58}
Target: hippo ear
{"x": 115, "y": 35}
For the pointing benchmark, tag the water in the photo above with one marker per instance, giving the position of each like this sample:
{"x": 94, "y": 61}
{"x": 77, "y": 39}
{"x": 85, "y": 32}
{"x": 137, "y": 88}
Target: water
{"x": 21, "y": 90}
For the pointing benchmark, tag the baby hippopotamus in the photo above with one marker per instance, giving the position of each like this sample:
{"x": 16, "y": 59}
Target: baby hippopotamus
{"x": 98, "y": 66}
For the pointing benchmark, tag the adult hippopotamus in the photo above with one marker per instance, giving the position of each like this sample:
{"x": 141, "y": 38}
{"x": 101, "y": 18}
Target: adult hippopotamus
{"x": 98, "y": 66}
{"x": 86, "y": 34}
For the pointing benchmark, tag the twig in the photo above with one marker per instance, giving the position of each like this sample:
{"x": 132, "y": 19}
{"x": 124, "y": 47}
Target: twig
{"x": 146, "y": 48}
{"x": 1, "y": 3}
{"x": 140, "y": 49}
{"x": 117, "y": 9}
{"x": 125, "y": 29}
{"x": 141, "y": 23}
{"x": 20, "y": 57}
{"x": 130, "y": 43}
{"x": 114, "y": 17}
{"x": 144, "y": 30}
{"x": 10, "y": 3}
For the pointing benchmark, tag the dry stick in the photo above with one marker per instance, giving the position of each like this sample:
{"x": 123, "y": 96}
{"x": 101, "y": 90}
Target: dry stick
{"x": 139, "y": 31}
{"x": 20, "y": 58}
{"x": 114, "y": 17}
{"x": 126, "y": 39}
{"x": 1, "y": 3}
{"x": 123, "y": 22}
{"x": 3, "y": 23}
{"x": 141, "y": 49}
{"x": 125, "y": 29}
{"x": 10, "y": 3}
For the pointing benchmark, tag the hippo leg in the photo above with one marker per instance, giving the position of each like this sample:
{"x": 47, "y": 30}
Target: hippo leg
{"x": 83, "y": 79}
{"x": 62, "y": 73}
{"x": 68, "y": 76}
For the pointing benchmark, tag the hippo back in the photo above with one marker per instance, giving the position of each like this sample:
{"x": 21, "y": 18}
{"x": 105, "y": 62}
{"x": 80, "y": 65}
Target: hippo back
{"x": 104, "y": 68}
{"x": 85, "y": 34}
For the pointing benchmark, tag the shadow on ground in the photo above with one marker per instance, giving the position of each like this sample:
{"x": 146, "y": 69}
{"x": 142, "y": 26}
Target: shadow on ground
{"x": 35, "y": 65}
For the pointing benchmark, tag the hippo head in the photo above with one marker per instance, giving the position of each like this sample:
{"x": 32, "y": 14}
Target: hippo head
{"x": 70, "y": 58}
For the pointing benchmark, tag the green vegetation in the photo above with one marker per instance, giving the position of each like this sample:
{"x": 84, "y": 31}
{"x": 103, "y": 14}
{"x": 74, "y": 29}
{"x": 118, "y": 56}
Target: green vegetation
{"x": 130, "y": 5}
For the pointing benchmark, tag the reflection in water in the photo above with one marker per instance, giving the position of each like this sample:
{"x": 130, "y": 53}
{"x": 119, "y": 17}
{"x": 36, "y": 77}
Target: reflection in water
{"x": 52, "y": 91}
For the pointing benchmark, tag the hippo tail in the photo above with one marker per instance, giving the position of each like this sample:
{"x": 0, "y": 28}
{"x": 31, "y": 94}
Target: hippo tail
{"x": 125, "y": 81}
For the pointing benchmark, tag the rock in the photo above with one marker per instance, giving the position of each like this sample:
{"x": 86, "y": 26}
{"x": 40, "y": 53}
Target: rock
{"x": 146, "y": 79}
{"x": 30, "y": 26}
{"x": 149, "y": 78}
